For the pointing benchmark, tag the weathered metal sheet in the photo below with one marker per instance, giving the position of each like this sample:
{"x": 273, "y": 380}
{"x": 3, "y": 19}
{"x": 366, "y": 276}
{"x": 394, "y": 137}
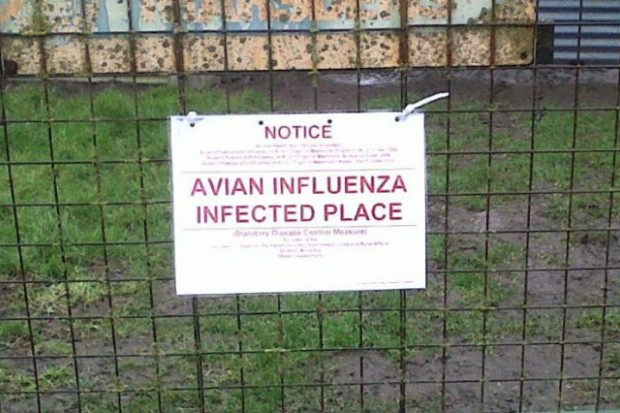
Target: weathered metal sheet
{"x": 108, "y": 36}
{"x": 110, "y": 55}
{"x": 428, "y": 48}
{"x": 335, "y": 50}
{"x": 291, "y": 51}
{"x": 65, "y": 55}
{"x": 24, "y": 50}
{"x": 155, "y": 54}
{"x": 378, "y": 49}
{"x": 203, "y": 53}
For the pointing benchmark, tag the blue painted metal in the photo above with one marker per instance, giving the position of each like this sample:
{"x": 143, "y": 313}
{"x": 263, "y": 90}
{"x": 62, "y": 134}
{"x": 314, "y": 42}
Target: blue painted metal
{"x": 112, "y": 17}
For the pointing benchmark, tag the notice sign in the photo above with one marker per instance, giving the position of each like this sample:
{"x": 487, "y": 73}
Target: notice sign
{"x": 277, "y": 203}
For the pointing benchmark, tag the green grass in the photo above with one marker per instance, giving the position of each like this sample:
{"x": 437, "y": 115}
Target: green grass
{"x": 593, "y": 318}
{"x": 552, "y": 161}
{"x": 84, "y": 225}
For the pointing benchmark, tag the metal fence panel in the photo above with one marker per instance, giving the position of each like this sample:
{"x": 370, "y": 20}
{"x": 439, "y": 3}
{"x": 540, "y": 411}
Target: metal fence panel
{"x": 522, "y": 309}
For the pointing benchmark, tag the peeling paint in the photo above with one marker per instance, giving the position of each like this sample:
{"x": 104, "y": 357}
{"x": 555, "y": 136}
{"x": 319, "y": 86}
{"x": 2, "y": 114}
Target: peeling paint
{"x": 247, "y": 52}
{"x": 515, "y": 11}
{"x": 308, "y": 34}
{"x": 25, "y": 51}
{"x": 335, "y": 50}
{"x": 379, "y": 50}
{"x": 291, "y": 51}
{"x": 203, "y": 53}
{"x": 110, "y": 55}
{"x": 107, "y": 16}
{"x": 513, "y": 46}
{"x": 428, "y": 48}
{"x": 243, "y": 15}
{"x": 291, "y": 14}
{"x": 14, "y": 13}
{"x": 424, "y": 12}
{"x": 66, "y": 55}
{"x": 471, "y": 46}
{"x": 382, "y": 14}
{"x": 155, "y": 54}
{"x": 64, "y": 16}
{"x": 201, "y": 15}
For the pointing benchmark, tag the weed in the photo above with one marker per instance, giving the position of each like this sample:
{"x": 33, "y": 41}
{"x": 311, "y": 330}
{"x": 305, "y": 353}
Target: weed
{"x": 593, "y": 318}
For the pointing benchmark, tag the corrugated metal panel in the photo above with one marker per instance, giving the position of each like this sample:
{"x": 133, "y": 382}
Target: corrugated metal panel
{"x": 586, "y": 31}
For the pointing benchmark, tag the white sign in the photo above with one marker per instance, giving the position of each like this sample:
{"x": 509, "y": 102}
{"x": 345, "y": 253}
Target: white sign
{"x": 318, "y": 202}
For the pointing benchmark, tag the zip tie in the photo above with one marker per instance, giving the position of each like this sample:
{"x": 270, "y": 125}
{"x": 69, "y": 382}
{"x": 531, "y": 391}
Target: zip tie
{"x": 191, "y": 118}
{"x": 413, "y": 107}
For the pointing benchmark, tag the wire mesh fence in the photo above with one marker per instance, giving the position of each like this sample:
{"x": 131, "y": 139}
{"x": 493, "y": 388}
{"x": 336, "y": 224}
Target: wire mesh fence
{"x": 522, "y": 307}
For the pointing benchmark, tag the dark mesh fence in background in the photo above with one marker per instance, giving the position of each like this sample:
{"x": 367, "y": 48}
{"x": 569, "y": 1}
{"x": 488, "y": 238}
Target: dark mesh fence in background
{"x": 522, "y": 307}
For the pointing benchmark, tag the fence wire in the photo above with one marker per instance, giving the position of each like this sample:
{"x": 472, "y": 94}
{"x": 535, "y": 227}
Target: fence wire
{"x": 522, "y": 307}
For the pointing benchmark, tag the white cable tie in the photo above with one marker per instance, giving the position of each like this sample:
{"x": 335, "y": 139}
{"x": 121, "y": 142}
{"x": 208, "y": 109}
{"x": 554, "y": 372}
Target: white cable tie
{"x": 413, "y": 107}
{"x": 191, "y": 118}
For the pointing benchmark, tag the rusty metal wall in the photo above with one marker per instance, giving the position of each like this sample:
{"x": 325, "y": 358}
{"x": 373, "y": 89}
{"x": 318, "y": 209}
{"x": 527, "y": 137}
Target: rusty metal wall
{"x": 72, "y": 37}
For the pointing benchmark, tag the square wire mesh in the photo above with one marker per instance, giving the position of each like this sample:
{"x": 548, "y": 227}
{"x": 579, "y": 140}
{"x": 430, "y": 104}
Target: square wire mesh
{"x": 522, "y": 309}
